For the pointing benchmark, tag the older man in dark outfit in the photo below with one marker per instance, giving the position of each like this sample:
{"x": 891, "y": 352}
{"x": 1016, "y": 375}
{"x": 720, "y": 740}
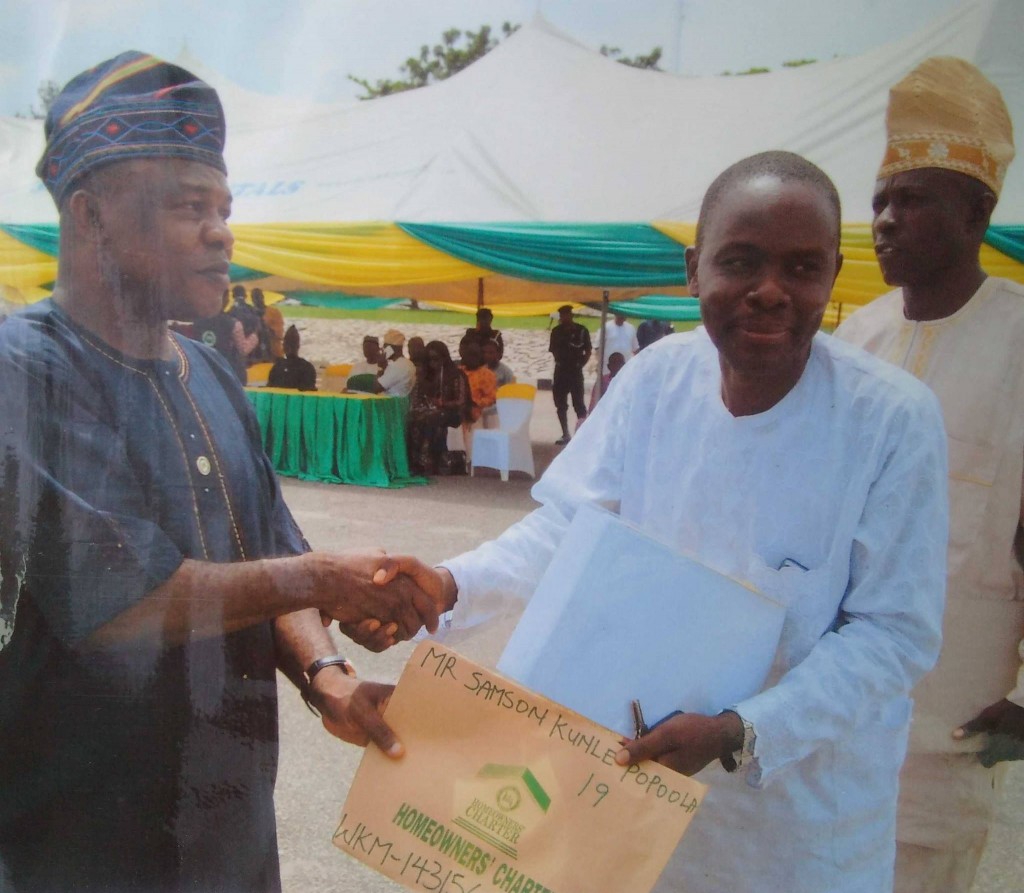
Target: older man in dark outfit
{"x": 151, "y": 578}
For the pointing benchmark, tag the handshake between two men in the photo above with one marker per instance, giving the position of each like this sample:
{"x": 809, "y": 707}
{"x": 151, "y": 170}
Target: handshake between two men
{"x": 377, "y": 601}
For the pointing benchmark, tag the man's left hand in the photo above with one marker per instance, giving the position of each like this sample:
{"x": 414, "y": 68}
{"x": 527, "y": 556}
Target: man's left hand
{"x": 686, "y": 743}
{"x": 1004, "y": 723}
{"x": 352, "y": 710}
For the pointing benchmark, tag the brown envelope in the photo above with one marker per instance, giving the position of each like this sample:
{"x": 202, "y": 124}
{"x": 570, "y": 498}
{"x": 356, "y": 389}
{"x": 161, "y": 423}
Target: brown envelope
{"x": 504, "y": 790}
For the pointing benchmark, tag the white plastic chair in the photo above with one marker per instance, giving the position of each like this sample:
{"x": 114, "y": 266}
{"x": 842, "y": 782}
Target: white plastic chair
{"x": 507, "y": 447}
{"x": 461, "y": 438}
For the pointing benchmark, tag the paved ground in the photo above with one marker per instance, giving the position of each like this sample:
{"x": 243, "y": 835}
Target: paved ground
{"x": 435, "y": 522}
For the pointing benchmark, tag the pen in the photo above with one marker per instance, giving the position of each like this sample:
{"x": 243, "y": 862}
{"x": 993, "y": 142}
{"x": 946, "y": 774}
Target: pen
{"x": 640, "y": 727}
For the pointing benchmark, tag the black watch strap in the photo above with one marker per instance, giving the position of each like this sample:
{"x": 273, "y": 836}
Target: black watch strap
{"x": 310, "y": 674}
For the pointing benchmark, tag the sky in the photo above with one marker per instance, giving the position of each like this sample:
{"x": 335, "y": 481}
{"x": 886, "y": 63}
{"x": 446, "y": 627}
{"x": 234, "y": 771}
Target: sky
{"x": 309, "y": 47}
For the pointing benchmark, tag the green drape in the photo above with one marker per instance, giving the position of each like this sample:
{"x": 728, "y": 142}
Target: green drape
{"x": 1007, "y": 239}
{"x": 335, "y": 438}
{"x": 613, "y": 254}
{"x": 668, "y": 307}
{"x": 340, "y": 301}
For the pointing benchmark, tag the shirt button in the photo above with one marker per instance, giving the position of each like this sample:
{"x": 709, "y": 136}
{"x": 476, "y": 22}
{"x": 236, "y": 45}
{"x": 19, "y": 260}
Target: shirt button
{"x": 203, "y": 464}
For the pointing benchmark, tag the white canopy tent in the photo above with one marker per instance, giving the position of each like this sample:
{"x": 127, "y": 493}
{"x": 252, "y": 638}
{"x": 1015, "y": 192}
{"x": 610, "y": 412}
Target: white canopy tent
{"x": 543, "y": 130}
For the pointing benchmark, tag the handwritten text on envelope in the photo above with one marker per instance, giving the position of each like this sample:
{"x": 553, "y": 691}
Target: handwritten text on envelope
{"x": 503, "y": 790}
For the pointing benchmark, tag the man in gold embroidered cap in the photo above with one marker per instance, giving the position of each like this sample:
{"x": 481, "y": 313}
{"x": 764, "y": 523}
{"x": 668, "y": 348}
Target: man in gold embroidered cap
{"x": 152, "y": 581}
{"x": 961, "y": 331}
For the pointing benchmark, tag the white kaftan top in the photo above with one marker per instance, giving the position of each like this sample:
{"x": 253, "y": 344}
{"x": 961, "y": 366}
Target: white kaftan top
{"x": 974, "y": 362}
{"x": 619, "y": 339}
{"x": 842, "y": 477}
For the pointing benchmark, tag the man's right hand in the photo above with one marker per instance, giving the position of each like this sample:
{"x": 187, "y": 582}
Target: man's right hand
{"x": 369, "y": 586}
{"x": 437, "y": 583}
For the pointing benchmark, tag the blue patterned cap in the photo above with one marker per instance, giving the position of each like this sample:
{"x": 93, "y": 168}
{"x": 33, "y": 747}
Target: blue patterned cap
{"x": 132, "y": 106}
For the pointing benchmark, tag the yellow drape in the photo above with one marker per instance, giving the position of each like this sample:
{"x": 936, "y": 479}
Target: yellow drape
{"x": 349, "y": 256}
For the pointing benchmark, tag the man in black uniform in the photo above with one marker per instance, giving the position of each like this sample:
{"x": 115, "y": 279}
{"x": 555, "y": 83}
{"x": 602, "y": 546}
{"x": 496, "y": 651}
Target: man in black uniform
{"x": 570, "y": 345}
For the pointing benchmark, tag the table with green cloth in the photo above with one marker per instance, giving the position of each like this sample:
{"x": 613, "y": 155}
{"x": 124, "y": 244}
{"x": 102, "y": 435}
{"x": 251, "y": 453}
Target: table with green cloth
{"x": 335, "y": 438}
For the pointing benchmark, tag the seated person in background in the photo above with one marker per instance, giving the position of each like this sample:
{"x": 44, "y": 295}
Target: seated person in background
{"x": 417, "y": 352}
{"x": 291, "y": 371}
{"x": 483, "y": 385}
{"x": 363, "y": 376}
{"x": 492, "y": 360}
{"x": 398, "y": 376}
{"x": 615, "y": 363}
{"x": 438, "y": 402}
{"x": 483, "y": 332}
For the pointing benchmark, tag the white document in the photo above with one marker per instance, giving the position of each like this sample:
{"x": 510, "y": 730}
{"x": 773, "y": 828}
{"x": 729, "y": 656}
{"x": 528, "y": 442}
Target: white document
{"x": 619, "y": 615}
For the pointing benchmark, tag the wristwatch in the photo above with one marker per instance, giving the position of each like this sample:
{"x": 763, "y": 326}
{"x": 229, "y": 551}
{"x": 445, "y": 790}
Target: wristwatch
{"x": 310, "y": 674}
{"x": 744, "y": 754}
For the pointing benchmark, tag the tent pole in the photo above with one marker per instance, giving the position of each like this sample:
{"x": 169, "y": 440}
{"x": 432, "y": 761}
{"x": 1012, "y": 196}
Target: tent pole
{"x": 599, "y": 386}
{"x": 479, "y": 292}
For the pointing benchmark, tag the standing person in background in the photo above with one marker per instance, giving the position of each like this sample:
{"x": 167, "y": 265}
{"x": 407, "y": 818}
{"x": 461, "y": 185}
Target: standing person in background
{"x": 273, "y": 326}
{"x": 153, "y": 579}
{"x": 252, "y": 324}
{"x": 223, "y": 332}
{"x": 502, "y": 373}
{"x": 651, "y": 330}
{"x": 615, "y": 363}
{"x": 618, "y": 336}
{"x": 950, "y": 140}
{"x": 417, "y": 352}
{"x": 483, "y": 331}
{"x": 571, "y": 348}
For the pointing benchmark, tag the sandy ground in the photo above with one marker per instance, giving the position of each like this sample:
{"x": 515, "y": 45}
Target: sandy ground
{"x": 434, "y": 522}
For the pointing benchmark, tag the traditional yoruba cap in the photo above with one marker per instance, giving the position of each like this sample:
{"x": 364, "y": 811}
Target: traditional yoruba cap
{"x": 394, "y": 338}
{"x": 947, "y": 114}
{"x": 132, "y": 106}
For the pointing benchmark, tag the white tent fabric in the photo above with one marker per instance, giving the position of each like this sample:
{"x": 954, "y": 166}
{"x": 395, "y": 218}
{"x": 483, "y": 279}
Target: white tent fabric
{"x": 543, "y": 129}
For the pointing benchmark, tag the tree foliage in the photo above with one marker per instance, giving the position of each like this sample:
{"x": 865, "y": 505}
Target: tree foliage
{"x": 757, "y": 69}
{"x": 456, "y": 50}
{"x": 47, "y": 92}
{"x": 459, "y": 49}
{"x": 650, "y": 60}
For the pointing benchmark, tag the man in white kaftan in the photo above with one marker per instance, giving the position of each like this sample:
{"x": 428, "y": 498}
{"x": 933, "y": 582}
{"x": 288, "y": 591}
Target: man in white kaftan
{"x": 839, "y": 478}
{"x": 974, "y": 361}
{"x": 804, "y": 465}
{"x": 961, "y": 333}
{"x": 618, "y": 336}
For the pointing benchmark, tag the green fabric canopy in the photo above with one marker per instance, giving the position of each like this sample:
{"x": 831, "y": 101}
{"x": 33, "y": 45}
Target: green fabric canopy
{"x": 614, "y": 254}
{"x": 670, "y": 307}
{"x": 340, "y": 301}
{"x": 1008, "y": 239}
